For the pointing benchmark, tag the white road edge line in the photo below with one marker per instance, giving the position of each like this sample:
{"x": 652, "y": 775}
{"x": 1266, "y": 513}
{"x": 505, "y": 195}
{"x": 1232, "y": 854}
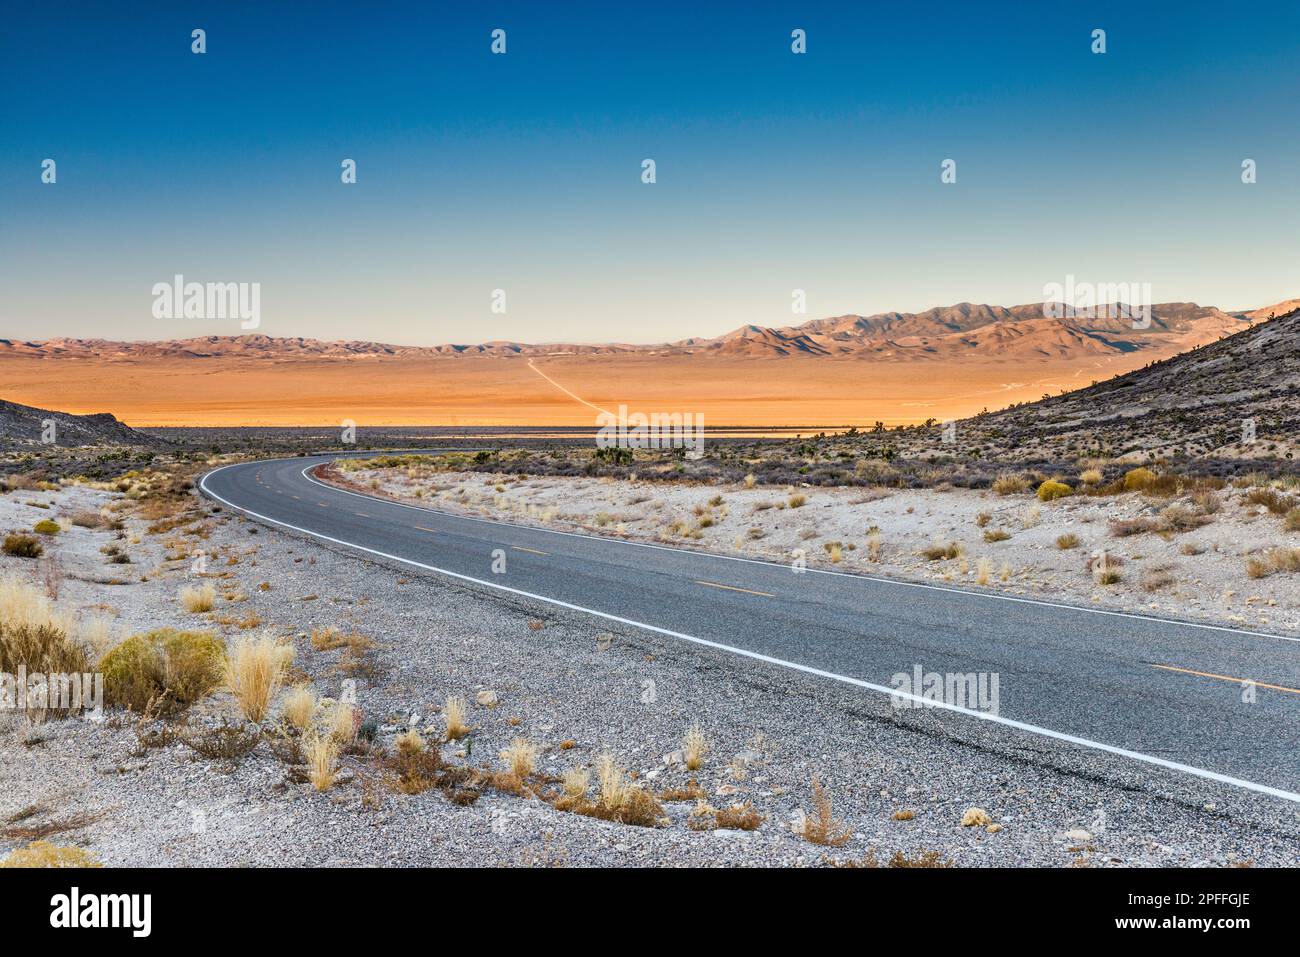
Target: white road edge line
{"x": 794, "y": 666}
{"x": 818, "y": 571}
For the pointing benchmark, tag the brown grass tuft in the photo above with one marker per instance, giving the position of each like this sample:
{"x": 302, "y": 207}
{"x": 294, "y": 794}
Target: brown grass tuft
{"x": 255, "y": 670}
{"x": 821, "y": 827}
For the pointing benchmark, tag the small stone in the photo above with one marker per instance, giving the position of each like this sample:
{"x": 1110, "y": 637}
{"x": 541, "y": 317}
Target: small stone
{"x": 487, "y": 699}
{"x": 1076, "y": 834}
{"x": 604, "y": 642}
{"x": 993, "y": 828}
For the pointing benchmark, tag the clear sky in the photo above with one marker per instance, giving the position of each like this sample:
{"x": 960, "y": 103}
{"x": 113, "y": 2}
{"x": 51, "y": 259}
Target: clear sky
{"x": 775, "y": 171}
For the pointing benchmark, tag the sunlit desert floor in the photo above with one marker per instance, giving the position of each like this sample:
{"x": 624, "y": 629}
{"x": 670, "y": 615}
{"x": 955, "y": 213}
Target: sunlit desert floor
{"x": 789, "y": 391}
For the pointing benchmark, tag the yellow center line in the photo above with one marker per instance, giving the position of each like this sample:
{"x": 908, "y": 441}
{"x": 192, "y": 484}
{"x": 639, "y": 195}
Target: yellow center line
{"x": 733, "y": 588}
{"x": 1207, "y": 674}
{"x": 520, "y": 548}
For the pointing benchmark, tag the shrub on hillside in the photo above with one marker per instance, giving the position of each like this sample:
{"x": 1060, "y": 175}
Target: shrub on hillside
{"x": 1051, "y": 490}
{"x": 21, "y": 545}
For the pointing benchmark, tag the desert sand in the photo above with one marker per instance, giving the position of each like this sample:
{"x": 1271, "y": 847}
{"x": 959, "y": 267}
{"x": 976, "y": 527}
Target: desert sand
{"x": 811, "y": 392}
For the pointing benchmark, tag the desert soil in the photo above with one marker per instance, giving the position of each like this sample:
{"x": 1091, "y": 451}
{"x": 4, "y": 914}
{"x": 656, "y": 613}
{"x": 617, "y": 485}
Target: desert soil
{"x": 469, "y": 390}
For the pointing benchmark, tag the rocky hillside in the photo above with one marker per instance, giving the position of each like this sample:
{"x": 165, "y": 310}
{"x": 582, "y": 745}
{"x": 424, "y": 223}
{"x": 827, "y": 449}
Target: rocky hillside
{"x": 22, "y": 426}
{"x": 1201, "y": 403}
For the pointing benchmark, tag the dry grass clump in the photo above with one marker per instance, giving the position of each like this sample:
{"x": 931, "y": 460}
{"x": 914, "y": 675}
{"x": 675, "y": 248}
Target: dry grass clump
{"x": 299, "y": 707}
{"x": 1091, "y": 477}
{"x": 342, "y": 724}
{"x": 1157, "y": 578}
{"x": 163, "y": 671}
{"x": 255, "y": 669}
{"x": 738, "y": 817}
{"x": 22, "y": 545}
{"x": 691, "y": 792}
{"x": 575, "y": 783}
{"x": 821, "y": 827}
{"x": 1171, "y": 520}
{"x": 520, "y": 757}
{"x": 417, "y": 766}
{"x": 1179, "y": 518}
{"x": 1010, "y": 483}
{"x": 229, "y": 741}
{"x": 88, "y": 519}
{"x": 618, "y": 798}
{"x": 798, "y": 501}
{"x": 1123, "y": 528}
{"x": 875, "y": 544}
{"x": 983, "y": 570}
{"x": 940, "y": 552}
{"x": 322, "y": 753}
{"x": 19, "y": 826}
{"x": 35, "y": 634}
{"x": 1273, "y": 561}
{"x": 982, "y": 519}
{"x": 996, "y": 535}
{"x": 750, "y": 480}
{"x": 454, "y": 714}
{"x": 694, "y": 747}
{"x": 1105, "y": 569}
{"x": 45, "y": 854}
{"x": 1067, "y": 541}
{"x": 1291, "y": 521}
{"x": 1272, "y": 499}
{"x": 198, "y": 600}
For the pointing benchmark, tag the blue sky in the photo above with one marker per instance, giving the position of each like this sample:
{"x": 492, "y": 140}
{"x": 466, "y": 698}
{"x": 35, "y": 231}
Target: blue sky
{"x": 522, "y": 172}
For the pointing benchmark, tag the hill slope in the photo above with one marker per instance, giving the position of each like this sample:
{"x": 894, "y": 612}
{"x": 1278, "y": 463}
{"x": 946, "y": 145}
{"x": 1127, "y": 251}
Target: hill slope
{"x": 22, "y": 425}
{"x": 1199, "y": 403}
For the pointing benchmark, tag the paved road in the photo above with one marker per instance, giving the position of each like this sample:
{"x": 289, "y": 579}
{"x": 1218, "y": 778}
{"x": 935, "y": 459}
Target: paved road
{"x": 1162, "y": 692}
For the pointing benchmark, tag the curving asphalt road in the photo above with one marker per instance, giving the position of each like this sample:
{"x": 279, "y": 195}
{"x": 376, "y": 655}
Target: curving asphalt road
{"x": 1154, "y": 691}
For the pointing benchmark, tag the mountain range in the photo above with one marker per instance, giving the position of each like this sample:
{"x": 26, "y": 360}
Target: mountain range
{"x": 946, "y": 332}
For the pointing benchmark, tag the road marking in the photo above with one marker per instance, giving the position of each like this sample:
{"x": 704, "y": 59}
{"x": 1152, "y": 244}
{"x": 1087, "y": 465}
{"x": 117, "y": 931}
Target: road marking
{"x": 1240, "y": 681}
{"x": 423, "y": 529}
{"x": 520, "y": 548}
{"x": 897, "y": 582}
{"x": 747, "y": 591}
{"x": 792, "y": 665}
{"x": 322, "y": 505}
{"x": 362, "y": 514}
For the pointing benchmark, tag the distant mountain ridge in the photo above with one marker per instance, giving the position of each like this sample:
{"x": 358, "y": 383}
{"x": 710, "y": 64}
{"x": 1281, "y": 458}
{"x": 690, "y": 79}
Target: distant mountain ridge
{"x": 945, "y": 332}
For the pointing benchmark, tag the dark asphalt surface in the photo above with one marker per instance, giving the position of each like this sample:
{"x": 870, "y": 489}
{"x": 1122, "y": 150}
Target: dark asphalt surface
{"x": 1072, "y": 671}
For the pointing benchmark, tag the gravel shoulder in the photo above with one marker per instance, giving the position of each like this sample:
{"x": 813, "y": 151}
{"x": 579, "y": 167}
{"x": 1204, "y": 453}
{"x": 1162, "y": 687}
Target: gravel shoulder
{"x": 556, "y": 677}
